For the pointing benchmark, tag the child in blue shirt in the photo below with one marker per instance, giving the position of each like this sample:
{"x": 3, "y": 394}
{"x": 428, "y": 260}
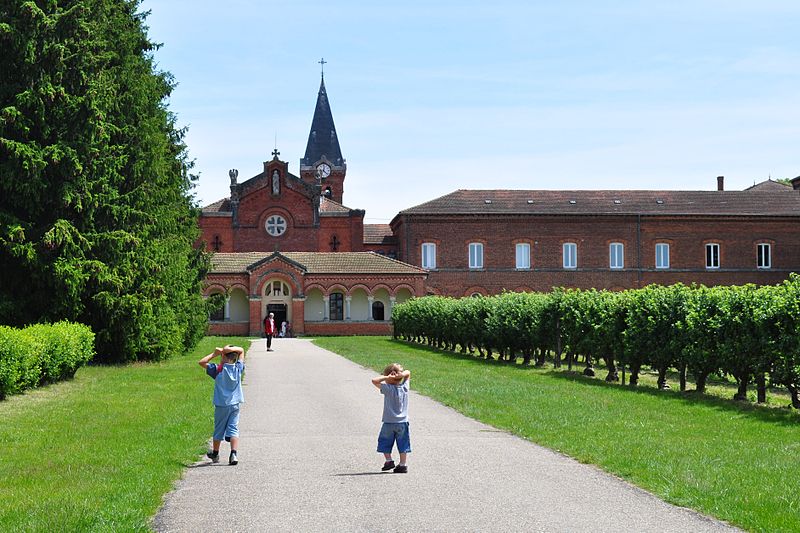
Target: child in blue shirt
{"x": 393, "y": 384}
{"x": 227, "y": 376}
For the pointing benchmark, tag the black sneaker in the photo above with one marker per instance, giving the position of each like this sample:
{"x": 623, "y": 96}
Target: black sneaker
{"x": 388, "y": 465}
{"x": 401, "y": 469}
{"x": 234, "y": 459}
{"x": 214, "y": 456}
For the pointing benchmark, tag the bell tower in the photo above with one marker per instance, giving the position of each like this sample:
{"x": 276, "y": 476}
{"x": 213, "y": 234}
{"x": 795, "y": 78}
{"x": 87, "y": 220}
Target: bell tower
{"x": 323, "y": 162}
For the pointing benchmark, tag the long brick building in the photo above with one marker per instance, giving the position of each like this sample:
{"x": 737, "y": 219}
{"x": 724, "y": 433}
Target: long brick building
{"x": 287, "y": 244}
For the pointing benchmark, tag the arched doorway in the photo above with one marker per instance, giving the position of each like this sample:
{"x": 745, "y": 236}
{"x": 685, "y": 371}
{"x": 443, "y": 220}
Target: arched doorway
{"x": 277, "y": 299}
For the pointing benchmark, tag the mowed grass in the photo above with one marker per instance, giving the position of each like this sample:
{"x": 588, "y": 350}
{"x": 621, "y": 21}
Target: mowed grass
{"x": 99, "y": 452}
{"x": 734, "y": 461}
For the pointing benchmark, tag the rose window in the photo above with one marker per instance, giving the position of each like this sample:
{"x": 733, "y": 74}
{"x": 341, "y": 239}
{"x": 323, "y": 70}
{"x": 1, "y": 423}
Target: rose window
{"x": 276, "y": 225}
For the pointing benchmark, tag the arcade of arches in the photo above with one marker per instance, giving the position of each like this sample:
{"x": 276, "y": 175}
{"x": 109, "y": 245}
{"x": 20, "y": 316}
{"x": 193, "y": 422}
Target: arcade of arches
{"x": 342, "y": 293}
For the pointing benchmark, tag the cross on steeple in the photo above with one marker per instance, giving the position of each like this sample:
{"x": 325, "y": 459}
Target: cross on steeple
{"x": 334, "y": 243}
{"x": 322, "y": 62}
{"x": 217, "y": 244}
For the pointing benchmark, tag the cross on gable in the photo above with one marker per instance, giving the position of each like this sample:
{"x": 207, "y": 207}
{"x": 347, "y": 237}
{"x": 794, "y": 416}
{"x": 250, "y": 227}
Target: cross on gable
{"x": 275, "y": 153}
{"x": 217, "y": 244}
{"x": 335, "y": 243}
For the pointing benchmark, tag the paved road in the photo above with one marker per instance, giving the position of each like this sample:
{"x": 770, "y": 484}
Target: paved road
{"x": 308, "y": 463}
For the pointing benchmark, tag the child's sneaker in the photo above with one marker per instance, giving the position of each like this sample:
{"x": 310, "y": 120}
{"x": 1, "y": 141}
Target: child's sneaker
{"x": 388, "y": 465}
{"x": 214, "y": 456}
{"x": 233, "y": 459}
{"x": 401, "y": 469}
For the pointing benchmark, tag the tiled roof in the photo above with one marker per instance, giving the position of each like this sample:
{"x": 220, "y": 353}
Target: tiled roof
{"x": 378, "y": 234}
{"x": 770, "y": 185}
{"x": 328, "y": 206}
{"x": 220, "y": 206}
{"x": 769, "y": 202}
{"x": 316, "y": 262}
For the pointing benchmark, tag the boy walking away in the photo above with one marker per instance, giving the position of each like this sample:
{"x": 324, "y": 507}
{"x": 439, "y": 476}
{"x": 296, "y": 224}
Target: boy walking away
{"x": 269, "y": 329}
{"x": 393, "y": 384}
{"x": 227, "y": 376}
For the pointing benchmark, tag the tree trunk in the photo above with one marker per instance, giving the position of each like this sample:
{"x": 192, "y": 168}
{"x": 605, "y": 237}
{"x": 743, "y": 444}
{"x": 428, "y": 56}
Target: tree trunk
{"x": 540, "y": 358}
{"x": 741, "y": 394}
{"x": 570, "y": 355}
{"x": 761, "y": 387}
{"x": 683, "y": 377}
{"x": 589, "y": 370}
{"x": 557, "y": 358}
{"x": 795, "y": 392}
{"x": 613, "y": 375}
{"x": 700, "y": 382}
{"x": 634, "y": 381}
{"x": 662, "y": 379}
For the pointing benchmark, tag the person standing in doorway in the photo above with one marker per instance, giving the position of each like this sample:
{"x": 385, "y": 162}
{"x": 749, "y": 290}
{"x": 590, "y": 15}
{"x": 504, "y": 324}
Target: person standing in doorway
{"x": 269, "y": 329}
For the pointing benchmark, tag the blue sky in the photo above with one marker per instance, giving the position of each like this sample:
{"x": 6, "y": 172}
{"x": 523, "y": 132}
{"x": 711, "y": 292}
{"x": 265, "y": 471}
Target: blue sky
{"x": 430, "y": 97}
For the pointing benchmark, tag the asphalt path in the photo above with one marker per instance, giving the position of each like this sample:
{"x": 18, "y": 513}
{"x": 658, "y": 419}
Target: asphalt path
{"x": 307, "y": 462}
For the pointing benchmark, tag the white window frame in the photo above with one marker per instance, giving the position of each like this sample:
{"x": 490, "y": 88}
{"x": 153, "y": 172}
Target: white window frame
{"x": 476, "y": 255}
{"x": 712, "y": 248}
{"x": 761, "y": 256}
{"x": 569, "y": 259}
{"x": 523, "y": 256}
{"x": 428, "y": 251}
{"x": 616, "y": 256}
{"x": 662, "y": 259}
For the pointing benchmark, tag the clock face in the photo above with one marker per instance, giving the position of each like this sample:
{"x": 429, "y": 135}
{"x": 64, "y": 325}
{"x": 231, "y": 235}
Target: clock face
{"x": 323, "y": 170}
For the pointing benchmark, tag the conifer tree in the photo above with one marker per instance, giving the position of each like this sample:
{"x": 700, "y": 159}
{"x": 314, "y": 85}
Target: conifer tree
{"x": 97, "y": 222}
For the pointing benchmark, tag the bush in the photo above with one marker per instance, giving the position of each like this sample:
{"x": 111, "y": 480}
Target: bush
{"x": 43, "y": 353}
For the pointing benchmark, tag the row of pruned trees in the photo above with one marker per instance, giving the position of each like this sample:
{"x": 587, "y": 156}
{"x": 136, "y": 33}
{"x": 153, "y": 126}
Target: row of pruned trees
{"x": 750, "y": 333}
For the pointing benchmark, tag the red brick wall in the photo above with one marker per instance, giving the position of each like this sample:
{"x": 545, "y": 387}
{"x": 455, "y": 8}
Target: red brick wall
{"x": 348, "y": 328}
{"x": 222, "y": 226}
{"x": 349, "y": 233}
{"x": 228, "y": 328}
{"x": 738, "y": 237}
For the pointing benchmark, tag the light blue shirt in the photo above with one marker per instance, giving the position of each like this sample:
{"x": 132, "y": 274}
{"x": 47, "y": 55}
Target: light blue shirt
{"x": 395, "y": 402}
{"x": 227, "y": 382}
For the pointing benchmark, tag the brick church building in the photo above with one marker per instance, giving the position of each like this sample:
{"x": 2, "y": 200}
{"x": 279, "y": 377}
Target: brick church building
{"x": 287, "y": 244}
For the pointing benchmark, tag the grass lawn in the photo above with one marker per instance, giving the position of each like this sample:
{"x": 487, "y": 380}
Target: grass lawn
{"x": 99, "y": 452}
{"x": 734, "y": 461}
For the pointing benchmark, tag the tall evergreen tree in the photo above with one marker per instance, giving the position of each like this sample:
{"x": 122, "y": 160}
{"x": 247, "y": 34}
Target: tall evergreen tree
{"x": 97, "y": 222}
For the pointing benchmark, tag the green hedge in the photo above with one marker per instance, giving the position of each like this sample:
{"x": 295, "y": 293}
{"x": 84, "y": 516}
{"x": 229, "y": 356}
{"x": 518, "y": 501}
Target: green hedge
{"x": 750, "y": 333}
{"x": 43, "y": 353}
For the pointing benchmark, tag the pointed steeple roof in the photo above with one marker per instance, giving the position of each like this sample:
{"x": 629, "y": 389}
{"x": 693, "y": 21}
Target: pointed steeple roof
{"x": 322, "y": 140}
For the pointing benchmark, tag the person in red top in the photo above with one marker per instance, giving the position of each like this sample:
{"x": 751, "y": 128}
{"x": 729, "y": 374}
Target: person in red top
{"x": 269, "y": 329}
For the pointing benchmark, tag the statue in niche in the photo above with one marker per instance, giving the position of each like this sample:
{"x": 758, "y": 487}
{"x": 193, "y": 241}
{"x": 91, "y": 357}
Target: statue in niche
{"x": 276, "y": 182}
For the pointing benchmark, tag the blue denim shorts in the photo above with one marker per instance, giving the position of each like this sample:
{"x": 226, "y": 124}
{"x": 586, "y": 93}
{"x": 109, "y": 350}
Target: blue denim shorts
{"x": 394, "y": 432}
{"x": 226, "y": 421}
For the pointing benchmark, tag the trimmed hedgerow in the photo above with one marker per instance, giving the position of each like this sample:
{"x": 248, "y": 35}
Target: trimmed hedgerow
{"x": 747, "y": 332}
{"x": 42, "y": 353}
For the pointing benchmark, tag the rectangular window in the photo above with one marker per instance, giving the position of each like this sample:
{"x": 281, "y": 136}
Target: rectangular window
{"x": 615, "y": 255}
{"x": 429, "y": 255}
{"x": 475, "y": 255}
{"x": 523, "y": 255}
{"x": 570, "y": 255}
{"x": 764, "y": 259}
{"x": 662, "y": 255}
{"x": 337, "y": 306}
{"x": 712, "y": 255}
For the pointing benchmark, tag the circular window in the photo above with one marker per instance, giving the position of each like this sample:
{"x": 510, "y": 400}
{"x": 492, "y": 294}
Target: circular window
{"x": 276, "y": 225}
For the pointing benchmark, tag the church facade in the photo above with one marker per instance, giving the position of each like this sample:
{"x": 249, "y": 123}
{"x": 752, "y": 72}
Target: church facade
{"x": 287, "y": 244}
